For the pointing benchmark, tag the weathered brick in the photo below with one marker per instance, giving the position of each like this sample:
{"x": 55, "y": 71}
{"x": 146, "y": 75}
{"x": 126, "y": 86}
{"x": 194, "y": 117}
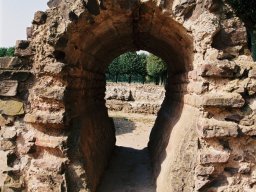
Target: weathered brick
{"x": 39, "y": 18}
{"x": 209, "y": 128}
{"x": 204, "y": 170}
{"x": 248, "y": 130}
{"x": 54, "y": 68}
{"x": 199, "y": 184}
{"x": 47, "y": 141}
{"x": 2, "y": 121}
{"x": 233, "y": 100}
{"x": 6, "y": 145}
{"x": 29, "y": 31}
{"x": 45, "y": 117}
{"x": 11, "y": 107}
{"x": 8, "y": 87}
{"x": 198, "y": 87}
{"x": 252, "y": 73}
{"x": 22, "y": 49}
{"x": 211, "y": 155}
{"x": 222, "y": 69}
{"x": 9, "y": 133}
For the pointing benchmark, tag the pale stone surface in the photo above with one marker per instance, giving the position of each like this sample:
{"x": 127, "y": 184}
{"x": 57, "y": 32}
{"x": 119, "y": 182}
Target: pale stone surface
{"x": 11, "y": 107}
{"x": 214, "y": 156}
{"x": 223, "y": 100}
{"x": 54, "y": 68}
{"x": 210, "y": 128}
{"x": 204, "y": 171}
{"x": 8, "y": 88}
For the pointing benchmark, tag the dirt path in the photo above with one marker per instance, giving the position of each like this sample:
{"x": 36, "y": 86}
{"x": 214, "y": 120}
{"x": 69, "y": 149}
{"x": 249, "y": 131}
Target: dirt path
{"x": 130, "y": 167}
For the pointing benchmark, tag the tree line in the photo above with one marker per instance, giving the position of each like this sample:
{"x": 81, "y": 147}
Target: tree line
{"x": 134, "y": 67}
{"x": 7, "y": 52}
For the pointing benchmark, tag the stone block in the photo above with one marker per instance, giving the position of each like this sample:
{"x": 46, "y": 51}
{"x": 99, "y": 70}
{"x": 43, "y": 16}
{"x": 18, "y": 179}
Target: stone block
{"x": 210, "y": 128}
{"x": 23, "y": 52}
{"x": 45, "y": 117}
{"x": 3, "y": 121}
{"x": 22, "y": 44}
{"x": 54, "y": 68}
{"x": 248, "y": 130}
{"x": 39, "y": 18}
{"x": 251, "y": 87}
{"x": 17, "y": 75}
{"x": 193, "y": 100}
{"x": 8, "y": 133}
{"x": 12, "y": 181}
{"x": 200, "y": 183}
{"x": 54, "y": 92}
{"x": 29, "y": 31}
{"x": 198, "y": 87}
{"x": 234, "y": 118}
{"x": 245, "y": 168}
{"x": 221, "y": 70}
{"x": 50, "y": 141}
{"x": 51, "y": 165}
{"x": 204, "y": 170}
{"x": 22, "y": 48}
{"x": 9, "y": 62}
{"x": 11, "y": 107}
{"x": 232, "y": 100}
{"x": 6, "y": 145}
{"x": 53, "y": 3}
{"x": 252, "y": 73}
{"x": 8, "y": 87}
{"x": 212, "y": 155}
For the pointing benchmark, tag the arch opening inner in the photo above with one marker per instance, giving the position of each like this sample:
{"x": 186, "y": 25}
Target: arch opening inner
{"x": 88, "y": 53}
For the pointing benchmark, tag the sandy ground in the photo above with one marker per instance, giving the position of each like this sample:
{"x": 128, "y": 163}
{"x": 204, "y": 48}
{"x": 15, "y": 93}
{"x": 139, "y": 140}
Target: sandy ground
{"x": 130, "y": 167}
{"x": 132, "y": 129}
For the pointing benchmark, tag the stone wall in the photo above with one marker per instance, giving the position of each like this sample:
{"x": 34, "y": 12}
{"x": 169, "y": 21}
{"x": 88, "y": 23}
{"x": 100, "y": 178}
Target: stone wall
{"x": 15, "y": 80}
{"x": 55, "y": 132}
{"x": 134, "y": 98}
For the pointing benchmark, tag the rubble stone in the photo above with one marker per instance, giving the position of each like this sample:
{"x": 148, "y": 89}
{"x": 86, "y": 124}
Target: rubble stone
{"x": 214, "y": 156}
{"x": 210, "y": 128}
{"x": 8, "y": 88}
{"x": 11, "y": 107}
{"x": 223, "y": 100}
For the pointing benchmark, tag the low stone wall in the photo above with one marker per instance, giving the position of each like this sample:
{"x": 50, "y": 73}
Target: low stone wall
{"x": 134, "y": 98}
{"x": 15, "y": 81}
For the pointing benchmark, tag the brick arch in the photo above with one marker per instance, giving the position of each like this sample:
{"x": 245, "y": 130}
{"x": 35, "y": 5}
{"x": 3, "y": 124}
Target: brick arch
{"x": 87, "y": 50}
{"x": 203, "y": 138}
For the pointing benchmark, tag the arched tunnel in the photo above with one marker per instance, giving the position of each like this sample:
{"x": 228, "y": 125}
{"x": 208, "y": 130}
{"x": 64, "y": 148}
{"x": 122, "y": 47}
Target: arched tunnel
{"x": 90, "y": 50}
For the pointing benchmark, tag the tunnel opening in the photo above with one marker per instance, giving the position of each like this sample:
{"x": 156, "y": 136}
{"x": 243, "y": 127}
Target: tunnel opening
{"x": 135, "y": 90}
{"x": 133, "y": 98}
{"x": 88, "y": 52}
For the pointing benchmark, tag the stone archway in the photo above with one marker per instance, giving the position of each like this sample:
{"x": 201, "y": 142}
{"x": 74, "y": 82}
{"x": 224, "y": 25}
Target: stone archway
{"x": 203, "y": 138}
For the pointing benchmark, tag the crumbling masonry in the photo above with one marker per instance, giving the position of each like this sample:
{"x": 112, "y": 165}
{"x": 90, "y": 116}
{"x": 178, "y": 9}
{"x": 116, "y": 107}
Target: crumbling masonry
{"x": 55, "y": 131}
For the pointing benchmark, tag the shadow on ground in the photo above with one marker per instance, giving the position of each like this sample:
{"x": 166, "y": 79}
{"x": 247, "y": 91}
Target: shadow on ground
{"x": 123, "y": 125}
{"x": 129, "y": 170}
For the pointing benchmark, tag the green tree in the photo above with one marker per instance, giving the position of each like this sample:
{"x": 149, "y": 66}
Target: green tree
{"x": 142, "y": 66}
{"x": 10, "y": 52}
{"x": 3, "y": 52}
{"x": 246, "y": 10}
{"x": 114, "y": 69}
{"x": 129, "y": 64}
{"x": 156, "y": 68}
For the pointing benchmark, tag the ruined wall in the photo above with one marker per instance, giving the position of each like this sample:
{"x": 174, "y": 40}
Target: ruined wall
{"x": 134, "y": 98}
{"x": 55, "y": 132}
